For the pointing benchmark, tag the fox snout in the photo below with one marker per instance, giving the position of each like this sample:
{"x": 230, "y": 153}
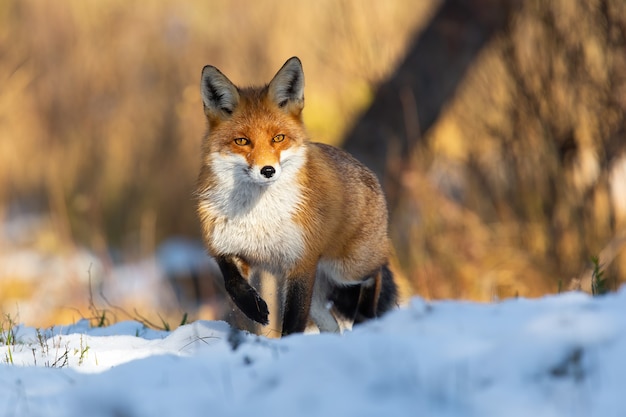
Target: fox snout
{"x": 268, "y": 171}
{"x": 265, "y": 174}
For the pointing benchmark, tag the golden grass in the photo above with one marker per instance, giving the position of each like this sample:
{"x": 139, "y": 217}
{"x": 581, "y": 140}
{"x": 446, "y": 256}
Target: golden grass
{"x": 100, "y": 113}
{"x": 518, "y": 183}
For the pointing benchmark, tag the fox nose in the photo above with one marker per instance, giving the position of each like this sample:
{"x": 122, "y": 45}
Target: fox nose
{"x": 268, "y": 171}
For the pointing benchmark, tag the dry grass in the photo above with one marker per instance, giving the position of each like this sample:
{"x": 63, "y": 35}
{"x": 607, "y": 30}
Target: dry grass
{"x": 100, "y": 113}
{"x": 521, "y": 180}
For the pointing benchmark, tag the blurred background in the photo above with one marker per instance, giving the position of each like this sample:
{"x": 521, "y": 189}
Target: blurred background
{"x": 497, "y": 128}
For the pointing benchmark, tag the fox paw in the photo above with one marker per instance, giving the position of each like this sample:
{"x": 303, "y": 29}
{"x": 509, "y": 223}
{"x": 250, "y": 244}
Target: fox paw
{"x": 261, "y": 313}
{"x": 253, "y": 306}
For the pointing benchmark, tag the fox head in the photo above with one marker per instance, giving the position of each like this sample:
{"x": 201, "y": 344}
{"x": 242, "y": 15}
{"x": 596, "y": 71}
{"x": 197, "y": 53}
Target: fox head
{"x": 254, "y": 133}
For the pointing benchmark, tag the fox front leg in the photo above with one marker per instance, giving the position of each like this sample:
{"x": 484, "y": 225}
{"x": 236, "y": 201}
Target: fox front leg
{"x": 298, "y": 294}
{"x": 241, "y": 292}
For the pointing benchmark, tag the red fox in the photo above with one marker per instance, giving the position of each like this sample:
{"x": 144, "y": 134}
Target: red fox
{"x": 309, "y": 213}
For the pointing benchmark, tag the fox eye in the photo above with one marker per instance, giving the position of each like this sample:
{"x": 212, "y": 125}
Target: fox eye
{"x": 278, "y": 138}
{"x": 242, "y": 141}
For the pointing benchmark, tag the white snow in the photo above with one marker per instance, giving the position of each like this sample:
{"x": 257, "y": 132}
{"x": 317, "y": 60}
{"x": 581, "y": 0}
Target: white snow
{"x": 555, "y": 356}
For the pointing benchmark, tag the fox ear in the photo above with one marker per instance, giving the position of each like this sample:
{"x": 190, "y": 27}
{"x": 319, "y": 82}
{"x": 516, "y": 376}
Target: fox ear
{"x": 287, "y": 87}
{"x": 219, "y": 96}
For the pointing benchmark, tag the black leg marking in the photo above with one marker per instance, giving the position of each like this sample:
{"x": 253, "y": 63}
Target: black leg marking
{"x": 361, "y": 302}
{"x": 297, "y": 305}
{"x": 368, "y": 301}
{"x": 346, "y": 300}
{"x": 388, "y": 298}
{"x": 378, "y": 298}
{"x": 245, "y": 297}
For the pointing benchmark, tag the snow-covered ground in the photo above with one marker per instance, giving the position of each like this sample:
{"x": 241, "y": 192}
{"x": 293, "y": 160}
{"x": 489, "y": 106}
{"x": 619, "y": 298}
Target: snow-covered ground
{"x": 556, "y": 356}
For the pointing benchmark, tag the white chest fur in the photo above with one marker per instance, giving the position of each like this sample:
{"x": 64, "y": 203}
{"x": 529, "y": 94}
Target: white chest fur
{"x": 254, "y": 221}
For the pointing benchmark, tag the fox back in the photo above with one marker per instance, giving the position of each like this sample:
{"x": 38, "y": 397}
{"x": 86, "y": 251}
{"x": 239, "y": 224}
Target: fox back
{"x": 269, "y": 199}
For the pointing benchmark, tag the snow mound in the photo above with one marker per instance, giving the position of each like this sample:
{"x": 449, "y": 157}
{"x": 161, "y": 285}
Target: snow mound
{"x": 556, "y": 356}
